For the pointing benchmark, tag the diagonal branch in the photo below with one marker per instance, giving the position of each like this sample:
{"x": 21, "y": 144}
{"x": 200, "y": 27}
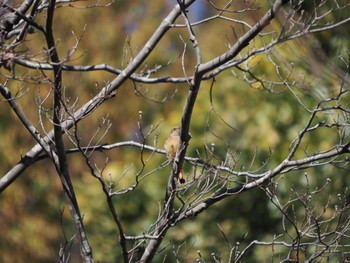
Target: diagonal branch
{"x": 107, "y": 92}
{"x": 244, "y": 40}
{"x": 283, "y": 167}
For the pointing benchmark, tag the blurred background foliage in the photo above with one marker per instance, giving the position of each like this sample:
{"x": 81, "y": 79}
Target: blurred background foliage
{"x": 241, "y": 121}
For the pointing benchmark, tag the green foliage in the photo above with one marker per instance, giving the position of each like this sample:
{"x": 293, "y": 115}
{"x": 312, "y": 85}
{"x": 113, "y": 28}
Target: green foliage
{"x": 237, "y": 118}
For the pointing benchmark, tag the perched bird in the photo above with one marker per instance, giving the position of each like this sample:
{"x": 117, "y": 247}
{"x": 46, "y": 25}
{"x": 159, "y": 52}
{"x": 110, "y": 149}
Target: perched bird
{"x": 171, "y": 145}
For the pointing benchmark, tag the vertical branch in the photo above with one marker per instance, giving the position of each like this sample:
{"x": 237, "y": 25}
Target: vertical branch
{"x": 201, "y": 69}
{"x": 168, "y": 214}
{"x": 187, "y": 112}
{"x": 62, "y": 165}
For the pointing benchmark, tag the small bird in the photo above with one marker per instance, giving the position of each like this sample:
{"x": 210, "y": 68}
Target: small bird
{"x": 171, "y": 146}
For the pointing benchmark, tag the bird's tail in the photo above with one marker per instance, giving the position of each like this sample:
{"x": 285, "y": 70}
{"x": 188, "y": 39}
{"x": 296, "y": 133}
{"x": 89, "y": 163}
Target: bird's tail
{"x": 182, "y": 176}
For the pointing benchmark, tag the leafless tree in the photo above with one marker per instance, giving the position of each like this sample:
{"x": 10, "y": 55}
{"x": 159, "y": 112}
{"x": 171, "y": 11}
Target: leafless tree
{"x": 305, "y": 238}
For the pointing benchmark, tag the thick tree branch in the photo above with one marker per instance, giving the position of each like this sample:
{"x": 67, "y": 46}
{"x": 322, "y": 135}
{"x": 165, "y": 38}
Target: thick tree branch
{"x": 62, "y": 165}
